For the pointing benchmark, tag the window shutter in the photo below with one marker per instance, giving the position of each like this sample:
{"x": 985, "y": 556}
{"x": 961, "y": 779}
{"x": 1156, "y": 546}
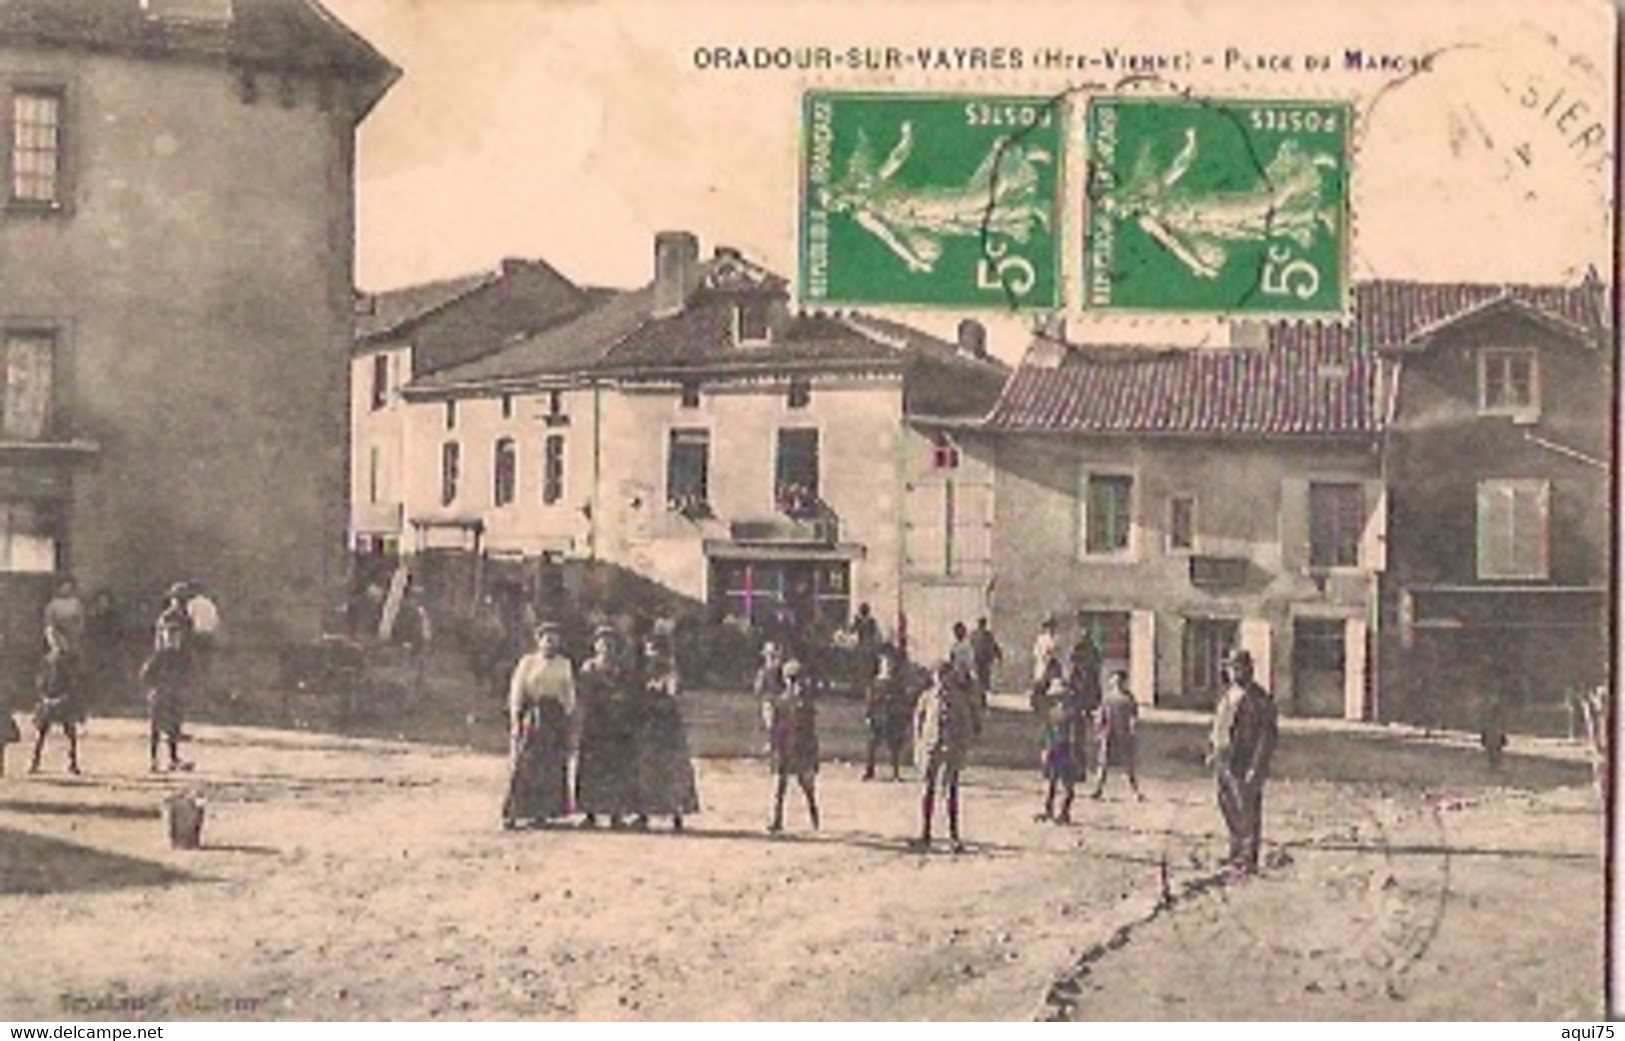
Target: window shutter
{"x": 1170, "y": 645}
{"x": 1374, "y": 536}
{"x": 1294, "y": 523}
{"x": 973, "y": 528}
{"x": 924, "y": 536}
{"x": 1531, "y": 505}
{"x": 1142, "y": 655}
{"x": 1494, "y": 529}
{"x": 1354, "y": 668}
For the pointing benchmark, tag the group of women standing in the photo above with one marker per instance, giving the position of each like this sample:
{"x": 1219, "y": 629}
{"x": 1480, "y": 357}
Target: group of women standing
{"x": 619, "y": 719}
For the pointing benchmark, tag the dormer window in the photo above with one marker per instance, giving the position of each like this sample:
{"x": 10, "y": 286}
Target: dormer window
{"x": 750, "y": 324}
{"x": 1508, "y": 382}
{"x": 800, "y": 393}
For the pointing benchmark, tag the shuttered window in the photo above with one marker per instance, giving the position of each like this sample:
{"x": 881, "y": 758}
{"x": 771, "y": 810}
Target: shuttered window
{"x": 1336, "y": 523}
{"x": 30, "y": 359}
{"x": 1108, "y": 501}
{"x": 1513, "y": 517}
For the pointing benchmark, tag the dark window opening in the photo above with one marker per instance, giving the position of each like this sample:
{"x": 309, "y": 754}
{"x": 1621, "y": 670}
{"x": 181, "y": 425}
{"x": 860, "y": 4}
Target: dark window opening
{"x": 505, "y": 472}
{"x": 380, "y": 381}
{"x": 688, "y": 463}
{"x": 1318, "y": 645}
{"x": 1108, "y": 501}
{"x": 777, "y": 596}
{"x": 1181, "y": 523}
{"x": 1207, "y": 641}
{"x": 795, "y": 473}
{"x": 1336, "y": 520}
{"x": 451, "y": 462}
{"x": 750, "y": 323}
{"x": 552, "y": 469}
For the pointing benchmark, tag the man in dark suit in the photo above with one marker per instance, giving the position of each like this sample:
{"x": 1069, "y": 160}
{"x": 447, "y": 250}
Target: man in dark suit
{"x": 1245, "y": 729}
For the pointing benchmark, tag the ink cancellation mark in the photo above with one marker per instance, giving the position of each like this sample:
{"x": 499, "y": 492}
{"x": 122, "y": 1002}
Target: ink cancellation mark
{"x": 1216, "y": 206}
{"x": 931, "y": 200}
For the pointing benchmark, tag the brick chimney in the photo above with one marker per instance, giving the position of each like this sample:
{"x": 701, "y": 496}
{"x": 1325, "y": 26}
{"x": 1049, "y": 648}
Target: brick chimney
{"x": 972, "y": 338}
{"x": 677, "y": 270}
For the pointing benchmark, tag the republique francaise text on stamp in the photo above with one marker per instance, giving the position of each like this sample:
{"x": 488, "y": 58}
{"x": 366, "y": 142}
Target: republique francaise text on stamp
{"x": 932, "y": 199}
{"x": 1197, "y": 205}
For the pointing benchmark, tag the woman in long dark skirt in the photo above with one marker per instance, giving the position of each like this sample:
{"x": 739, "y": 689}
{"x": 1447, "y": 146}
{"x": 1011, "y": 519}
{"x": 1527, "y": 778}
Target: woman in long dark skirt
{"x": 541, "y": 701}
{"x": 666, "y": 785}
{"x": 609, "y": 703}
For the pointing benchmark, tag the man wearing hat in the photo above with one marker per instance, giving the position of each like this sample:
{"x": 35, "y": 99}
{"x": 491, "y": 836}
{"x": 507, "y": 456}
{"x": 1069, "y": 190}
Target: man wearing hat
{"x": 1245, "y": 728}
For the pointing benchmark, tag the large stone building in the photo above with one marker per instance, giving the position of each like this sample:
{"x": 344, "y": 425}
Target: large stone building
{"x": 700, "y": 433}
{"x": 1396, "y": 513}
{"x": 1190, "y": 501}
{"x": 176, "y": 254}
{"x": 1500, "y": 476}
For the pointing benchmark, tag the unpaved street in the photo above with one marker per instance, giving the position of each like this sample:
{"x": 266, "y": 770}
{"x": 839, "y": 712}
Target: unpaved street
{"x": 361, "y": 879}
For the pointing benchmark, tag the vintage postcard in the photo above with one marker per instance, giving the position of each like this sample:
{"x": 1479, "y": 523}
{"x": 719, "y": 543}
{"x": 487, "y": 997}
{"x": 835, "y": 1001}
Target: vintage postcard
{"x": 603, "y": 510}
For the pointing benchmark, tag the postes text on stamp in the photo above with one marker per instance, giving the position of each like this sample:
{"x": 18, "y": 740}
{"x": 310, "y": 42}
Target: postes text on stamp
{"x": 931, "y": 200}
{"x": 1216, "y": 206}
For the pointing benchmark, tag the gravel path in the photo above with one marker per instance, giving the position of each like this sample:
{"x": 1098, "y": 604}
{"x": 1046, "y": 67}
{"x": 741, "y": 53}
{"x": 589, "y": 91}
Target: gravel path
{"x": 347, "y": 878}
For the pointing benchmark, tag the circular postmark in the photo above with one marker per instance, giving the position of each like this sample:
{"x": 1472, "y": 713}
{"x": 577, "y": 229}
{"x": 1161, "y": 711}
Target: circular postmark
{"x": 1350, "y": 898}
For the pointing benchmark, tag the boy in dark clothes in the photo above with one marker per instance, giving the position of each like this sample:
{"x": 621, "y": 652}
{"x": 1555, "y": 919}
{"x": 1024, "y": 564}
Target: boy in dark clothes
{"x": 59, "y": 705}
{"x": 165, "y": 676}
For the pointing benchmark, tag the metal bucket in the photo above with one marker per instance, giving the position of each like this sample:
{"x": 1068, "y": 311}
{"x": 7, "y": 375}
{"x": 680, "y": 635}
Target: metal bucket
{"x": 183, "y": 814}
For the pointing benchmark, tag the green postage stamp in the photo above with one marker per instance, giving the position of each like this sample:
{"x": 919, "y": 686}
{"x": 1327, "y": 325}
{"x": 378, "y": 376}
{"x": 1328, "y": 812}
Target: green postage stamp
{"x": 1217, "y": 206}
{"x": 931, "y": 199}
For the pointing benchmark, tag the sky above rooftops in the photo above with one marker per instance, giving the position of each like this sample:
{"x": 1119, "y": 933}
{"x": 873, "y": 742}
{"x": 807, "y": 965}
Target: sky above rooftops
{"x": 574, "y": 131}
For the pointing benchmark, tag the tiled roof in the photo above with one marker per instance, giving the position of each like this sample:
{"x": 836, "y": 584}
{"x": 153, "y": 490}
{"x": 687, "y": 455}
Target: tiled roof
{"x": 569, "y": 348}
{"x": 1310, "y": 378}
{"x": 1395, "y": 314}
{"x": 701, "y": 339}
{"x": 382, "y": 314}
{"x": 297, "y": 35}
{"x": 621, "y": 337}
{"x": 1309, "y": 389}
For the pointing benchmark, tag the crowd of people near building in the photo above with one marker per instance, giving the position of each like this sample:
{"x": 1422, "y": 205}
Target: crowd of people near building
{"x": 86, "y": 660}
{"x": 606, "y": 741}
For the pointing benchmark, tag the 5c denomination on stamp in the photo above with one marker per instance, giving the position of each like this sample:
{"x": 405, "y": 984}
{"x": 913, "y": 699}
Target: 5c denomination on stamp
{"x": 931, "y": 199}
{"x": 1216, "y": 206}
